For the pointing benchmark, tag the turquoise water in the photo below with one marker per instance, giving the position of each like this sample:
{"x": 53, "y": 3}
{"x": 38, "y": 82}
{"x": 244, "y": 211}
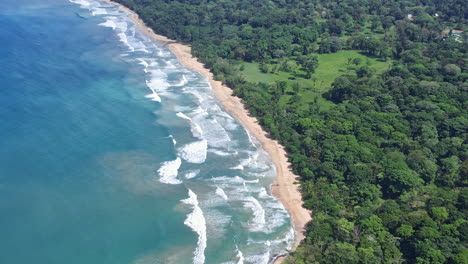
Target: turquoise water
{"x": 113, "y": 152}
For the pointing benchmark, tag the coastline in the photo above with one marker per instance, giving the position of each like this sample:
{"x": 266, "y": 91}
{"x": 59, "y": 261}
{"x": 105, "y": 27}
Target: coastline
{"x": 284, "y": 187}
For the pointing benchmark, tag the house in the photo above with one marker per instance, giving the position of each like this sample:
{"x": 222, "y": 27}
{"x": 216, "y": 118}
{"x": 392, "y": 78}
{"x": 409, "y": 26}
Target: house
{"x": 451, "y": 32}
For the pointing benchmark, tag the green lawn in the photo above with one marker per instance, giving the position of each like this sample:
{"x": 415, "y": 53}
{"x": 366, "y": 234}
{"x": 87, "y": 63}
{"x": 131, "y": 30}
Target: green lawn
{"x": 335, "y": 64}
{"x": 330, "y": 67}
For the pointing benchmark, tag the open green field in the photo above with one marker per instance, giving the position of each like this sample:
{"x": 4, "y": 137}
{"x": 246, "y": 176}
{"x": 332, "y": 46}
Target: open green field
{"x": 330, "y": 67}
{"x": 335, "y": 64}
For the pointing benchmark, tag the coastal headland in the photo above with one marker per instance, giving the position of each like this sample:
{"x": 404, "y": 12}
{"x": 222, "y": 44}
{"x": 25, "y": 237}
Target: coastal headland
{"x": 285, "y": 187}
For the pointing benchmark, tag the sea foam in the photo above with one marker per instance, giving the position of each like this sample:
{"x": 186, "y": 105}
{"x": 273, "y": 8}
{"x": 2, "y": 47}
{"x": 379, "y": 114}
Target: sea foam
{"x": 211, "y": 126}
{"x": 98, "y": 11}
{"x": 154, "y": 97}
{"x": 258, "y": 220}
{"x": 196, "y": 221}
{"x": 259, "y": 259}
{"x": 221, "y": 193}
{"x": 194, "y": 127}
{"x": 82, "y": 3}
{"x": 109, "y": 23}
{"x": 194, "y": 152}
{"x": 191, "y": 174}
{"x": 169, "y": 171}
{"x": 181, "y": 82}
{"x": 173, "y": 139}
{"x": 240, "y": 255}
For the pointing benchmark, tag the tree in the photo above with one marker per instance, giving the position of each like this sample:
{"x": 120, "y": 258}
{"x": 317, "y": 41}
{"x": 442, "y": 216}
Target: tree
{"x": 309, "y": 63}
{"x": 452, "y": 69}
{"x": 427, "y": 254}
{"x": 405, "y": 231}
{"x": 448, "y": 173}
{"x": 439, "y": 213}
{"x": 282, "y": 85}
{"x": 397, "y": 176}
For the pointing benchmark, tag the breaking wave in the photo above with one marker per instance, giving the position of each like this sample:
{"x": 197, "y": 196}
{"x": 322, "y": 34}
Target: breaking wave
{"x": 194, "y": 152}
{"x": 169, "y": 171}
{"x": 216, "y": 132}
{"x": 221, "y": 193}
{"x": 258, "y": 220}
{"x": 196, "y": 221}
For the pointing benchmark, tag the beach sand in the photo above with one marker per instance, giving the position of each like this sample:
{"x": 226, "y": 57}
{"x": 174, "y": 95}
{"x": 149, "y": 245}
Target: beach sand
{"x": 284, "y": 188}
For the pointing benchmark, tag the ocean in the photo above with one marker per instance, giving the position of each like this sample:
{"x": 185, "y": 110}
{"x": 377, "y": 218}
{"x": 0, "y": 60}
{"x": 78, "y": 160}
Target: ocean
{"x": 113, "y": 152}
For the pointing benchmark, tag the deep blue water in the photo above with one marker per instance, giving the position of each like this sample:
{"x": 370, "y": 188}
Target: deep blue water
{"x": 89, "y": 171}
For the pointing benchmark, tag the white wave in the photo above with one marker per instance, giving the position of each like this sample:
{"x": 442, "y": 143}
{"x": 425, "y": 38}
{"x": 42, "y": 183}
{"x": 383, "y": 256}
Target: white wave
{"x": 240, "y": 256}
{"x": 251, "y": 139}
{"x": 144, "y": 63}
{"x": 181, "y": 108}
{"x": 109, "y": 23}
{"x": 243, "y": 164}
{"x": 98, "y": 11}
{"x": 222, "y": 153}
{"x": 235, "y": 179}
{"x": 259, "y": 259}
{"x": 225, "y": 114}
{"x": 128, "y": 36}
{"x": 196, "y": 130}
{"x": 289, "y": 238}
{"x": 154, "y": 96}
{"x": 221, "y": 193}
{"x": 169, "y": 65}
{"x": 196, "y": 221}
{"x": 251, "y": 181}
{"x": 181, "y": 82}
{"x": 194, "y": 152}
{"x": 157, "y": 83}
{"x": 225, "y": 179}
{"x": 227, "y": 122}
{"x": 191, "y": 174}
{"x": 258, "y": 220}
{"x": 194, "y": 127}
{"x": 137, "y": 45}
{"x": 238, "y": 167}
{"x": 182, "y": 115}
{"x": 154, "y": 84}
{"x": 173, "y": 139}
{"x": 163, "y": 53}
{"x": 213, "y": 131}
{"x": 169, "y": 171}
{"x": 122, "y": 26}
{"x": 123, "y": 38}
{"x": 82, "y": 3}
{"x": 263, "y": 193}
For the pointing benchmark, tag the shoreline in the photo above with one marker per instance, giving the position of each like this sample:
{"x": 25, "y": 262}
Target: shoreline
{"x": 284, "y": 187}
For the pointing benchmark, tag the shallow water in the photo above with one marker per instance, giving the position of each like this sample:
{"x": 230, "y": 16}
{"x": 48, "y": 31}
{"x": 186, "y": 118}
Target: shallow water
{"x": 113, "y": 152}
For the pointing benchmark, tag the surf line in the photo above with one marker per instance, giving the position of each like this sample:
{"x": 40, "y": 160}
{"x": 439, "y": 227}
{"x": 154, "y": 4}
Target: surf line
{"x": 285, "y": 188}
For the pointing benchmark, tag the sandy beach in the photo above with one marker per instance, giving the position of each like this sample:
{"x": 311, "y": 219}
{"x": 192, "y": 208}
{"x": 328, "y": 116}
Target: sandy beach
{"x": 284, "y": 187}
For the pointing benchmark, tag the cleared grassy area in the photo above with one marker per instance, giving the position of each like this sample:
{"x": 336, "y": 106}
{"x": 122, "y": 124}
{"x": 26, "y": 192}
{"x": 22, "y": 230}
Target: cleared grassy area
{"x": 330, "y": 67}
{"x": 335, "y": 64}
{"x": 252, "y": 73}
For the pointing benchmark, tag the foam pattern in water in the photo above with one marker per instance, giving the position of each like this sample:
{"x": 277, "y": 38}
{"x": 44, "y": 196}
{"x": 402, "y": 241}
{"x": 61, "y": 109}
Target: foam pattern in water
{"x": 225, "y": 168}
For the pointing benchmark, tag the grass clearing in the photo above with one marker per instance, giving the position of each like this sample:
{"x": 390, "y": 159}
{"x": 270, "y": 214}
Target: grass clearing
{"x": 330, "y": 67}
